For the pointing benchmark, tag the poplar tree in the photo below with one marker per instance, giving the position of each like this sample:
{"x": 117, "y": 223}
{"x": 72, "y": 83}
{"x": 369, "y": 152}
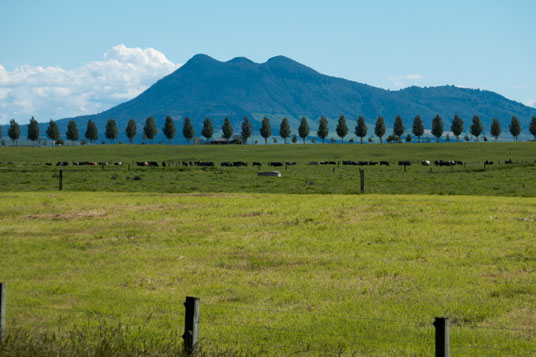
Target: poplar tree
{"x": 379, "y": 129}
{"x": 532, "y": 127}
{"x": 227, "y": 129}
{"x": 437, "y": 127}
{"x": 247, "y": 130}
{"x": 284, "y": 129}
{"x": 418, "y": 127}
{"x": 131, "y": 130}
{"x": 398, "y": 127}
{"x": 169, "y": 129}
{"x": 323, "y": 129}
{"x": 33, "y": 130}
{"x": 150, "y": 130}
{"x": 208, "y": 130}
{"x": 495, "y": 128}
{"x": 342, "y": 128}
{"x": 14, "y": 131}
{"x": 188, "y": 130}
{"x": 110, "y": 131}
{"x": 266, "y": 130}
{"x": 515, "y": 127}
{"x": 361, "y": 128}
{"x": 476, "y": 127}
{"x": 303, "y": 130}
{"x": 53, "y": 133}
{"x": 92, "y": 133}
{"x": 457, "y": 126}
{"x": 72, "y": 131}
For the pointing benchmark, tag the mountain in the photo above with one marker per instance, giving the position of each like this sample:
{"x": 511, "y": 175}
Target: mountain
{"x": 282, "y": 87}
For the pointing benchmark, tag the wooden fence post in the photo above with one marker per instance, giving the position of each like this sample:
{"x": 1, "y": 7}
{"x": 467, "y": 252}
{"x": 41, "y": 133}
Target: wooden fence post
{"x": 442, "y": 340}
{"x": 362, "y": 177}
{"x": 191, "y": 324}
{"x": 61, "y": 180}
{"x": 2, "y": 310}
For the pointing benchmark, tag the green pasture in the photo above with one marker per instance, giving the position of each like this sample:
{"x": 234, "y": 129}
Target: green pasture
{"x": 279, "y": 274}
{"x": 24, "y": 169}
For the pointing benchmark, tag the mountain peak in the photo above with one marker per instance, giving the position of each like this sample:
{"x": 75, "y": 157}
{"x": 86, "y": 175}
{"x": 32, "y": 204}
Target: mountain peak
{"x": 240, "y": 60}
{"x": 201, "y": 59}
{"x": 280, "y": 59}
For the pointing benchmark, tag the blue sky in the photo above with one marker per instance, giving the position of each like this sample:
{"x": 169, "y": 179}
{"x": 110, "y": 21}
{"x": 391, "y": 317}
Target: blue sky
{"x": 66, "y": 58}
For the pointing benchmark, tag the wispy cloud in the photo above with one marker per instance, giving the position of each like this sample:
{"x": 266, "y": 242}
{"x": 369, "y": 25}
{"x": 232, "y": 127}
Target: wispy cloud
{"x": 55, "y": 92}
{"x": 404, "y": 80}
{"x": 405, "y": 77}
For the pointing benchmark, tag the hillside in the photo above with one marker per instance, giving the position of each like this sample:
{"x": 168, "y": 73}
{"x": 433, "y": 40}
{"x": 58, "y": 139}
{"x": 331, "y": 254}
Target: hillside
{"x": 282, "y": 87}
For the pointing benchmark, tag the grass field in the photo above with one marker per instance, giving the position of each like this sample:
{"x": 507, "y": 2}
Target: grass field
{"x": 277, "y": 273}
{"x": 27, "y": 171}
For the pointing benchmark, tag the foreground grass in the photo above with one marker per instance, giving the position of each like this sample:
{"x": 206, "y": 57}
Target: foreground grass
{"x": 27, "y": 171}
{"x": 275, "y": 273}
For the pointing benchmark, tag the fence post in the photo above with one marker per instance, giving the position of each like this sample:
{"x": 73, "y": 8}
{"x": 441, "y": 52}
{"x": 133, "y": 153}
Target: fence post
{"x": 362, "y": 177}
{"x": 191, "y": 324}
{"x": 2, "y": 310}
{"x": 61, "y": 180}
{"x": 442, "y": 340}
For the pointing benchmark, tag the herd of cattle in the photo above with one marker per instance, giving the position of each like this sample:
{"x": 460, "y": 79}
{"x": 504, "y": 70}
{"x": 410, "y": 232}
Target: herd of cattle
{"x": 272, "y": 163}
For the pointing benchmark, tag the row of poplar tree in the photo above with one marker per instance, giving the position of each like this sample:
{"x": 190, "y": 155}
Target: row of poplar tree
{"x": 150, "y": 129}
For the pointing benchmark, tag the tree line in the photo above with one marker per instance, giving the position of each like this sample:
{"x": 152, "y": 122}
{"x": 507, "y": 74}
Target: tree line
{"x": 150, "y": 129}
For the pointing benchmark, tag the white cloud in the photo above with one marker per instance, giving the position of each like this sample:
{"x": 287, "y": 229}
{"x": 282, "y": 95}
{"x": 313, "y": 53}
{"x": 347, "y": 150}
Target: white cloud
{"x": 404, "y": 80}
{"x": 405, "y": 77}
{"x": 55, "y": 92}
{"x": 530, "y": 103}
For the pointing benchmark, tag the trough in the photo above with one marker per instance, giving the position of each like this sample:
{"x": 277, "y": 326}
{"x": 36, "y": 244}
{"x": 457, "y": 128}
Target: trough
{"x": 269, "y": 173}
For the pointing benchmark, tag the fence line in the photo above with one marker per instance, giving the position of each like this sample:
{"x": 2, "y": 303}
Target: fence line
{"x": 348, "y": 317}
{"x": 53, "y": 293}
{"x": 191, "y": 321}
{"x": 283, "y": 329}
{"x": 218, "y": 306}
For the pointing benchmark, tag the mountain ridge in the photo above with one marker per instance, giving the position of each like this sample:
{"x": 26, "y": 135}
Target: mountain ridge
{"x": 279, "y": 87}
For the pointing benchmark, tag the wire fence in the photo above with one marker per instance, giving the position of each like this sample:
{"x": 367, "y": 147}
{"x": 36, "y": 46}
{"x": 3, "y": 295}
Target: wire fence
{"x": 226, "y": 327}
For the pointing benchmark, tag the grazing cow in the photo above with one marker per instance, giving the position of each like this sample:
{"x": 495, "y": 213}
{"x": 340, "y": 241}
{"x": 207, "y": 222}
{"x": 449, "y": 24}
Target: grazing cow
{"x": 508, "y": 162}
{"x": 103, "y": 163}
{"x": 458, "y": 162}
{"x": 404, "y": 163}
{"x": 239, "y": 164}
{"x": 142, "y": 163}
{"x": 226, "y": 164}
{"x": 347, "y": 162}
{"x": 62, "y": 163}
{"x": 425, "y": 163}
{"x": 118, "y": 163}
{"x": 487, "y": 162}
{"x": 445, "y": 163}
{"x": 153, "y": 164}
{"x": 256, "y": 163}
{"x": 314, "y": 163}
{"x": 275, "y": 164}
{"x": 372, "y": 163}
{"x": 290, "y": 163}
{"x": 204, "y": 163}
{"x": 384, "y": 163}
{"x": 48, "y": 164}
